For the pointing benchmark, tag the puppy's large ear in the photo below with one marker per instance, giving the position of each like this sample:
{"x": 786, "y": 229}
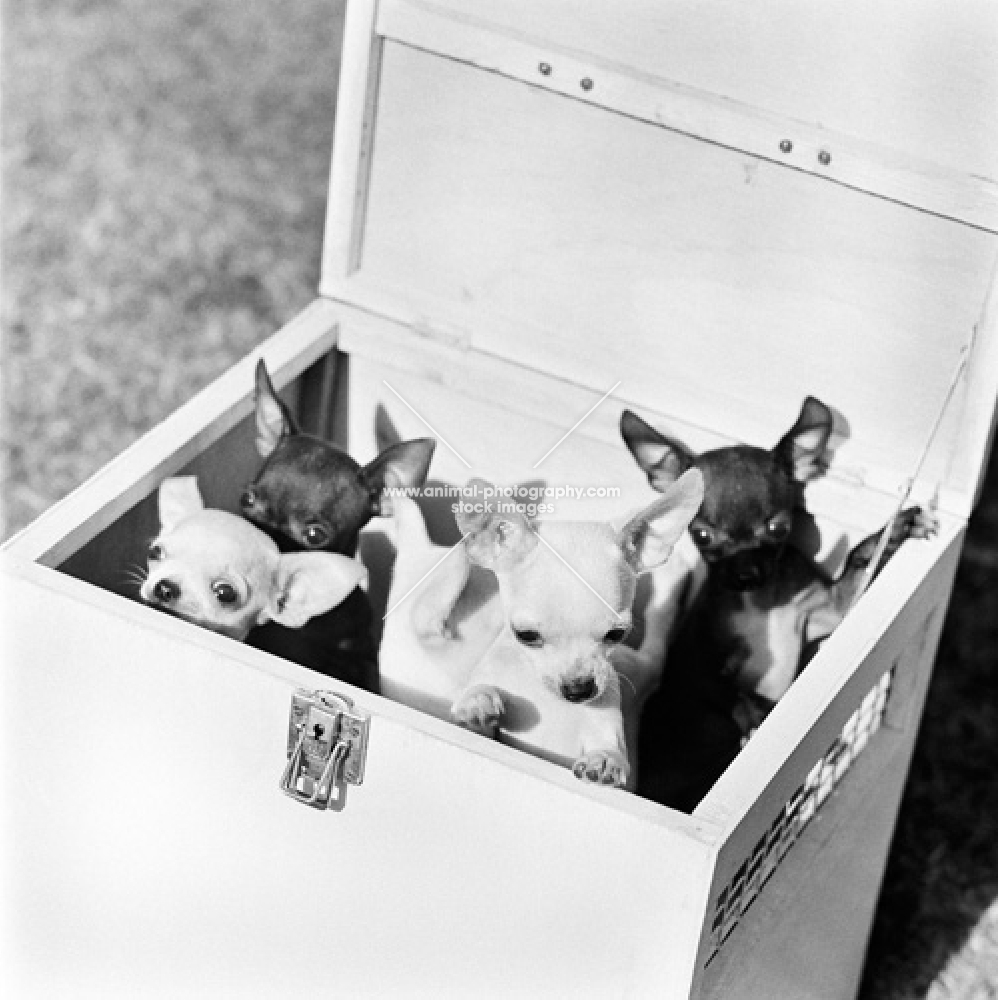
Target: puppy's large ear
{"x": 310, "y": 584}
{"x": 803, "y": 446}
{"x": 663, "y": 459}
{"x": 385, "y": 432}
{"x": 273, "y": 418}
{"x": 648, "y": 538}
{"x": 400, "y": 465}
{"x": 179, "y": 498}
{"x": 495, "y": 540}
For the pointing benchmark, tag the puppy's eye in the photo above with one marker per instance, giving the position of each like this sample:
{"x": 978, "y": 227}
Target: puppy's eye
{"x": 778, "y": 528}
{"x": 617, "y": 634}
{"x": 155, "y": 552}
{"x": 249, "y": 497}
{"x": 702, "y": 537}
{"x": 528, "y": 637}
{"x": 225, "y": 593}
{"x": 315, "y": 536}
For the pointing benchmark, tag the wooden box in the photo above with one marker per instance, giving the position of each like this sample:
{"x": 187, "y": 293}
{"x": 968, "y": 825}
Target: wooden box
{"x": 539, "y": 212}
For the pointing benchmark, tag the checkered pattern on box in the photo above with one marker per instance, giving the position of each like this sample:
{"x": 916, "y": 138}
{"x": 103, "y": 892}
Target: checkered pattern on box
{"x": 800, "y": 809}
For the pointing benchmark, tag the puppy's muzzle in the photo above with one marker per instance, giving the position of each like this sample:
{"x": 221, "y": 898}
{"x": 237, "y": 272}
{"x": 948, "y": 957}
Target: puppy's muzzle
{"x": 578, "y": 689}
{"x": 747, "y": 570}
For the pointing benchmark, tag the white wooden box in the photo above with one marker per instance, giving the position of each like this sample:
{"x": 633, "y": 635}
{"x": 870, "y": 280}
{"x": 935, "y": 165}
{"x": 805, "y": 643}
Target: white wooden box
{"x": 711, "y": 212}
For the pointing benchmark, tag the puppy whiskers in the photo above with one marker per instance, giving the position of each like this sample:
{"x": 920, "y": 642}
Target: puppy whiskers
{"x": 135, "y": 575}
{"x": 618, "y": 678}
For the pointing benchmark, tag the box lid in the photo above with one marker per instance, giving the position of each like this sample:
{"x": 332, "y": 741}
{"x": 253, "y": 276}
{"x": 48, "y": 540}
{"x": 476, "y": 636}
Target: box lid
{"x": 721, "y": 209}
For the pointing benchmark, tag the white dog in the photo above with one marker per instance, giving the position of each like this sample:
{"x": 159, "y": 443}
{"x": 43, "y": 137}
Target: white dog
{"x": 219, "y": 571}
{"x": 527, "y": 658}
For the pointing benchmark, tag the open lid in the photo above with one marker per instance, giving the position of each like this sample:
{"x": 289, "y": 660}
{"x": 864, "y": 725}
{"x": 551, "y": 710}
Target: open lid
{"x": 640, "y": 197}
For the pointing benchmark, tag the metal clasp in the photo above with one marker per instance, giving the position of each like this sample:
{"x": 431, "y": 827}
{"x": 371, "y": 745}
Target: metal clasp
{"x": 327, "y": 749}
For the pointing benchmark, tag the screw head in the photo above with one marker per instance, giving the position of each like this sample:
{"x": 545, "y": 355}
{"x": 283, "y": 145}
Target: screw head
{"x": 586, "y": 83}
{"x": 786, "y": 146}
{"x": 824, "y": 157}
{"x": 545, "y": 69}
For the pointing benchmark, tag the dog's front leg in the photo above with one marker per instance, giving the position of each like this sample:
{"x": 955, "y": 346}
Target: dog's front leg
{"x": 433, "y": 605}
{"x": 912, "y": 522}
{"x": 604, "y": 759}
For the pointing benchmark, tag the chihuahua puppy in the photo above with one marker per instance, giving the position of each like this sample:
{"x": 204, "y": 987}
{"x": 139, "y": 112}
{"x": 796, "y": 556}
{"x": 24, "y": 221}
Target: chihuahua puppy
{"x": 763, "y": 607}
{"x": 310, "y": 495}
{"x": 216, "y": 570}
{"x": 546, "y": 683}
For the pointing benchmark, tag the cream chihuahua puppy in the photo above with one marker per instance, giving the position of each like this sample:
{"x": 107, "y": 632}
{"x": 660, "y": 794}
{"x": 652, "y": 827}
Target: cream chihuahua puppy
{"x": 219, "y": 571}
{"x": 530, "y": 663}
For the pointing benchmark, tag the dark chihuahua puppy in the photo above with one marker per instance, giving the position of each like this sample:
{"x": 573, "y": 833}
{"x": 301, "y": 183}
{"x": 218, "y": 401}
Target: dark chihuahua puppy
{"x": 763, "y": 609}
{"x": 311, "y": 495}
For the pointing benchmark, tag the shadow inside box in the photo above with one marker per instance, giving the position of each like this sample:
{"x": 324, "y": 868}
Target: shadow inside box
{"x": 942, "y": 875}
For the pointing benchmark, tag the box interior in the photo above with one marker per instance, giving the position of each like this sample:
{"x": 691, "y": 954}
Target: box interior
{"x": 501, "y": 441}
{"x": 340, "y": 396}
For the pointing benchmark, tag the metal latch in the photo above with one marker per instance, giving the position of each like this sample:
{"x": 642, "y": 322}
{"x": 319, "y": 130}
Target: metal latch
{"x": 327, "y": 748}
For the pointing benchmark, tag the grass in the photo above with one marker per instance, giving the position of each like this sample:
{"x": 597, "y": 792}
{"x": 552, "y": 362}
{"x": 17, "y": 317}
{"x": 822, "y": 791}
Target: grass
{"x": 165, "y": 169}
{"x": 163, "y": 188}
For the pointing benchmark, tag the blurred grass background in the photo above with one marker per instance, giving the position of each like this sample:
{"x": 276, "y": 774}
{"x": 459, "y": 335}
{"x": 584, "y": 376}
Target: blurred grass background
{"x": 164, "y": 180}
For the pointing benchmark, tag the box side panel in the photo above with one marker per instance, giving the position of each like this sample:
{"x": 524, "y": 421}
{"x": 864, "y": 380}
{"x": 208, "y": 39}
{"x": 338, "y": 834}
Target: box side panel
{"x": 710, "y": 283}
{"x": 148, "y": 850}
{"x": 798, "y": 877}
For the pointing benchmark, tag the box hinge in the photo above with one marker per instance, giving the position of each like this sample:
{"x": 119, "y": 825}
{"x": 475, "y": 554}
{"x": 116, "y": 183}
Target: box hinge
{"x": 327, "y": 748}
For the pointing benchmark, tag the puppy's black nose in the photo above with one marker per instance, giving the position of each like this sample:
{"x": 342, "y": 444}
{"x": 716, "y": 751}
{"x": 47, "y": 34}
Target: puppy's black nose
{"x": 578, "y": 689}
{"x": 743, "y": 575}
{"x": 166, "y": 591}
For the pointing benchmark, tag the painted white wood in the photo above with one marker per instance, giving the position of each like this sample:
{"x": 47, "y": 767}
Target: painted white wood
{"x": 151, "y": 851}
{"x": 653, "y": 96}
{"x": 918, "y": 77}
{"x": 560, "y": 233}
{"x": 355, "y": 116}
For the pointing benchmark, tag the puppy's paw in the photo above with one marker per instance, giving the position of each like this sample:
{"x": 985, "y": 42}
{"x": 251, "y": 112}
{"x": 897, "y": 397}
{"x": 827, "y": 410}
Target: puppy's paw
{"x": 915, "y": 522}
{"x": 479, "y": 709}
{"x": 602, "y": 767}
{"x": 912, "y": 522}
